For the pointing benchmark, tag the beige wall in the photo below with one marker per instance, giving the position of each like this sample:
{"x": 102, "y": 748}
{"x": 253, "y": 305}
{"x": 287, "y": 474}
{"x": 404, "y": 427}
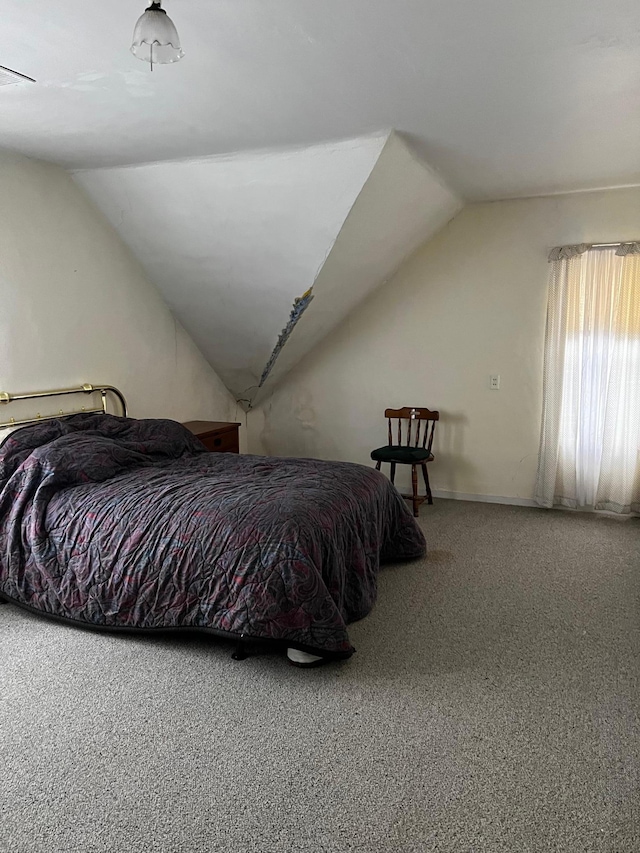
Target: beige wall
{"x": 469, "y": 303}
{"x": 76, "y": 307}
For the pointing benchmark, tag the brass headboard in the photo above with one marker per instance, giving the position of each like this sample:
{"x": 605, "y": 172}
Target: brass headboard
{"x": 103, "y": 390}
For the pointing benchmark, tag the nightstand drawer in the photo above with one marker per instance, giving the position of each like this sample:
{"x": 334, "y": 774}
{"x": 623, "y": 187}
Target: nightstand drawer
{"x": 226, "y": 442}
{"x": 217, "y": 436}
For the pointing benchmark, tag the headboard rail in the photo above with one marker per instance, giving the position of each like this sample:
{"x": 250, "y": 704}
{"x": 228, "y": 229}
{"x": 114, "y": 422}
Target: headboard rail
{"x": 103, "y": 390}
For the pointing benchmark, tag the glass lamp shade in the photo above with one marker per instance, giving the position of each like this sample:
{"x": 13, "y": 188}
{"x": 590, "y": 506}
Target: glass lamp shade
{"x": 155, "y": 38}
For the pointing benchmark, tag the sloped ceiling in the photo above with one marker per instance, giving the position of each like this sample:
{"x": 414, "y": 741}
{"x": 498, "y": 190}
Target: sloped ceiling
{"x": 402, "y": 204}
{"x": 231, "y": 242}
{"x": 503, "y": 98}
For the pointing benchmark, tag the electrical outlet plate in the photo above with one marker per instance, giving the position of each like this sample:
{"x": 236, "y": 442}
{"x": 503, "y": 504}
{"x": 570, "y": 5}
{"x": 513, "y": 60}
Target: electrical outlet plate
{"x": 494, "y": 381}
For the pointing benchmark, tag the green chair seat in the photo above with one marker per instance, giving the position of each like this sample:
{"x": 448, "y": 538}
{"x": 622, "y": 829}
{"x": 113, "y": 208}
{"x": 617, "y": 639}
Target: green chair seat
{"x": 401, "y": 454}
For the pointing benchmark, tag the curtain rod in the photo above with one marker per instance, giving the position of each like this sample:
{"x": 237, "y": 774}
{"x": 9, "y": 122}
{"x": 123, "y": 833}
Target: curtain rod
{"x": 559, "y": 253}
{"x": 612, "y": 245}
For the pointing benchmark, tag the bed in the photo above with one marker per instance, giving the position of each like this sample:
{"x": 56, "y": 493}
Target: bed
{"x": 115, "y": 523}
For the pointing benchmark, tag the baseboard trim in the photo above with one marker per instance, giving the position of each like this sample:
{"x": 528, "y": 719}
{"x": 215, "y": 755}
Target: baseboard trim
{"x": 487, "y": 499}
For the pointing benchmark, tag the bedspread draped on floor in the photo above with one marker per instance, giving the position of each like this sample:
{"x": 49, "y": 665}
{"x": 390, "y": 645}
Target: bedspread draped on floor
{"x": 129, "y": 523}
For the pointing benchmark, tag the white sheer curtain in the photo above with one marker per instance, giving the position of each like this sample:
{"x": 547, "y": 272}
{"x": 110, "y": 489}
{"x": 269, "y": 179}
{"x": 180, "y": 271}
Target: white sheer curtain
{"x": 590, "y": 441}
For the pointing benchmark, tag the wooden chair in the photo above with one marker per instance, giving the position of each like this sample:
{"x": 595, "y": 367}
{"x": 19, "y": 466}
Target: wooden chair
{"x": 418, "y": 453}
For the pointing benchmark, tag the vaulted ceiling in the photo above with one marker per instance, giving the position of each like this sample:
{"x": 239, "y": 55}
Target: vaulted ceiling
{"x": 263, "y": 163}
{"x": 231, "y": 242}
{"x": 503, "y": 98}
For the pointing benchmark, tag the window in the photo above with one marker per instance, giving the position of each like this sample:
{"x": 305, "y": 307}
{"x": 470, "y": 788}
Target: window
{"x": 590, "y": 442}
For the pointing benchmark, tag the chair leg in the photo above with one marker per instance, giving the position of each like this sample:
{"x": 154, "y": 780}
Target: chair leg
{"x": 378, "y": 464}
{"x": 393, "y": 472}
{"x": 425, "y": 474}
{"x": 414, "y": 485}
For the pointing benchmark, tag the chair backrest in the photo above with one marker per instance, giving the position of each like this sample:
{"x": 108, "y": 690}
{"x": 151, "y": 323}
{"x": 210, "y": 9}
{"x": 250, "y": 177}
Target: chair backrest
{"x": 413, "y": 416}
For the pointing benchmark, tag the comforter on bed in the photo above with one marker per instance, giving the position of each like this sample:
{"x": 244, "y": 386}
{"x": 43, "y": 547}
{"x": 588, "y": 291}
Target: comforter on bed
{"x": 123, "y": 523}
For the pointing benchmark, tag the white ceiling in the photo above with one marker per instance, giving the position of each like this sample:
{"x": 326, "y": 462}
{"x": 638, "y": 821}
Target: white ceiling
{"x": 503, "y": 98}
{"x": 402, "y": 205}
{"x": 231, "y": 241}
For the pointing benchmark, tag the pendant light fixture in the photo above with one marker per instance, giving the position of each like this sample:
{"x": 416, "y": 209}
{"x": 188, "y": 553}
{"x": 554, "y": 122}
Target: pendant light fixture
{"x": 155, "y": 38}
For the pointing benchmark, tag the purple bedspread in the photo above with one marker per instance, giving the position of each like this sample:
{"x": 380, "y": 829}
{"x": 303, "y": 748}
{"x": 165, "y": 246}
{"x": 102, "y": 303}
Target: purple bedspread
{"x": 130, "y": 523}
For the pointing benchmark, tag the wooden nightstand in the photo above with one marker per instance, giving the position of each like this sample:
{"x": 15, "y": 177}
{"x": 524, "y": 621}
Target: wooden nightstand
{"x": 217, "y": 436}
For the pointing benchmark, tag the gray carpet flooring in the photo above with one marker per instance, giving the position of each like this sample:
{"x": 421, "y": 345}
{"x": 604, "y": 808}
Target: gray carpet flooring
{"x": 493, "y": 705}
